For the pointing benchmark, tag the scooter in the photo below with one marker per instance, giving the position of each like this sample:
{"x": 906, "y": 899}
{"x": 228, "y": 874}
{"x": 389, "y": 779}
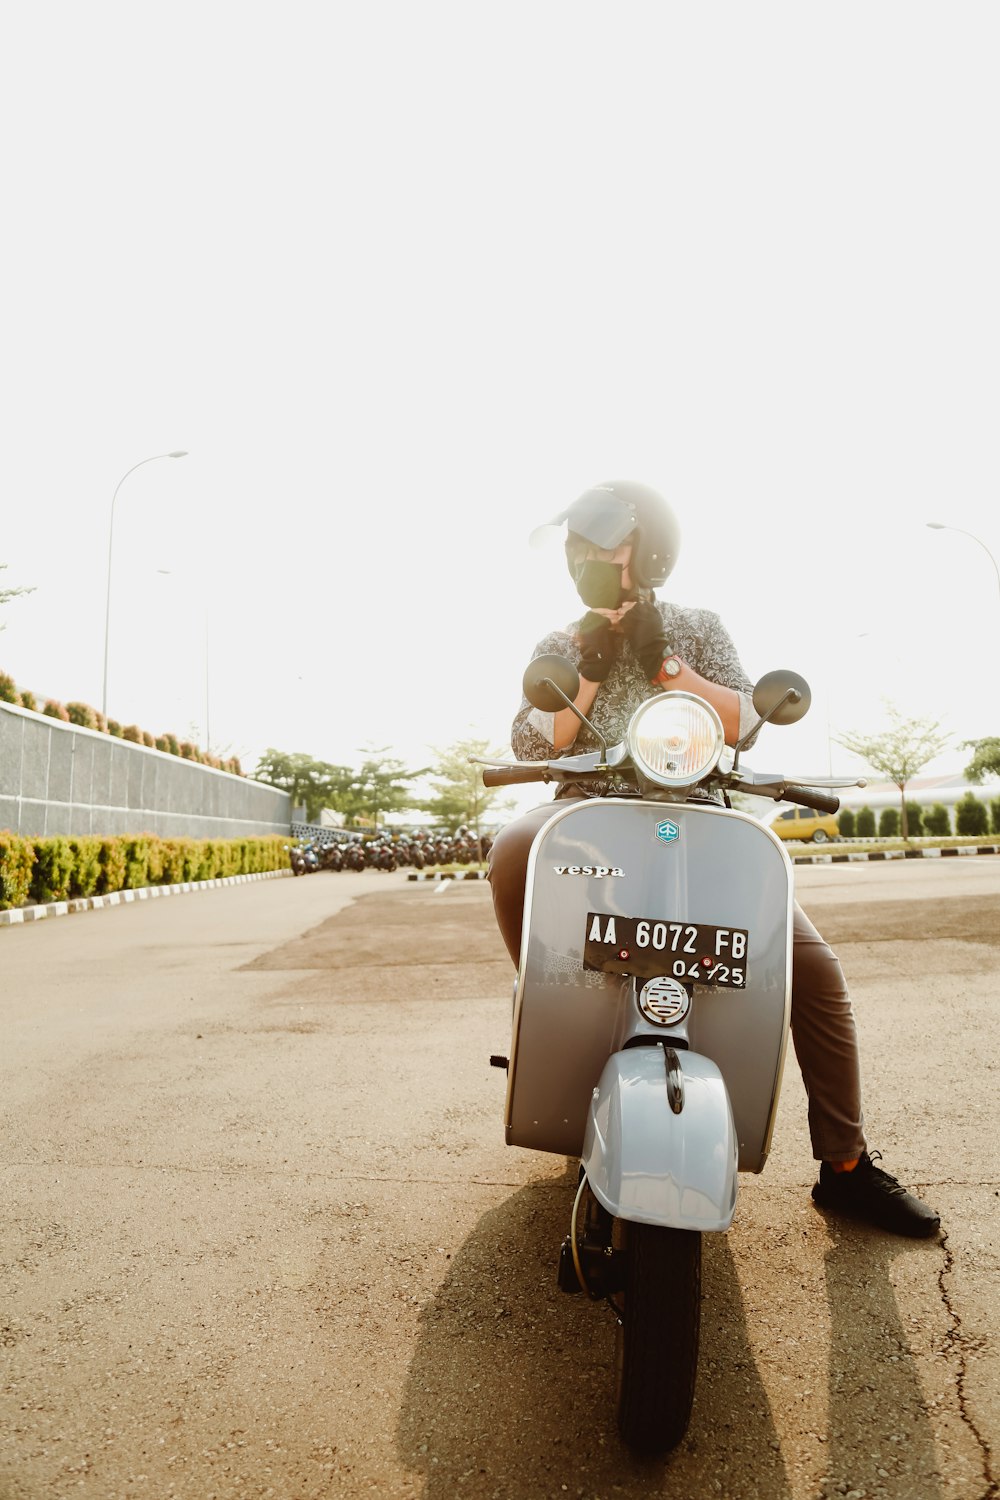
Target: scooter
{"x": 302, "y": 858}
{"x": 651, "y": 1013}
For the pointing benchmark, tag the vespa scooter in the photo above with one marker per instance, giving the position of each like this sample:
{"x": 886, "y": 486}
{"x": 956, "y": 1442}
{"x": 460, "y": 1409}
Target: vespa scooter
{"x": 651, "y": 1014}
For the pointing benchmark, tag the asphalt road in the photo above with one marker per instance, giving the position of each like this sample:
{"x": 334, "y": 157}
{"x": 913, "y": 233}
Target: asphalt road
{"x": 261, "y": 1235}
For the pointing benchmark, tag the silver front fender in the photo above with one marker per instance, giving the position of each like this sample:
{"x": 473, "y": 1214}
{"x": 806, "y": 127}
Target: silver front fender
{"x": 647, "y": 1161}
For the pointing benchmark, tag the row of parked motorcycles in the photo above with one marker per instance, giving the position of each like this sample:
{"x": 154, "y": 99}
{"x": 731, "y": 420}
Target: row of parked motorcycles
{"x": 418, "y": 851}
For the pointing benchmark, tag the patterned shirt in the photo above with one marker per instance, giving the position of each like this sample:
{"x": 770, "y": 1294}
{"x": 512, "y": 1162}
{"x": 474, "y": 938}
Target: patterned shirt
{"x": 697, "y": 636}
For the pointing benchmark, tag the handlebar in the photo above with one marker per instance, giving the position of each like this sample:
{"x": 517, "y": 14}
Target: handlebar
{"x": 516, "y": 775}
{"x": 808, "y": 796}
{"x": 770, "y": 786}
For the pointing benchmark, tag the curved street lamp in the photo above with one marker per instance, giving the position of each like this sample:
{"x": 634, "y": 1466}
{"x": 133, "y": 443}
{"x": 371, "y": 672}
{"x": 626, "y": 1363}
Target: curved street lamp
{"x": 940, "y": 526}
{"x": 178, "y": 453}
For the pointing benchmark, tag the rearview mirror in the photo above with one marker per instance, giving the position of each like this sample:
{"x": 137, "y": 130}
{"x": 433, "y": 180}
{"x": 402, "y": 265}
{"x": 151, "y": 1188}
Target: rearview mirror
{"x": 770, "y": 690}
{"x": 539, "y": 692}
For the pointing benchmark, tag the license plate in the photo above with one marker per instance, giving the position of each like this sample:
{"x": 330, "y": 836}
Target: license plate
{"x": 693, "y": 952}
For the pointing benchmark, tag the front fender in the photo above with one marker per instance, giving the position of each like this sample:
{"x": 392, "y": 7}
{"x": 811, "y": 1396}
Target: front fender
{"x": 647, "y": 1163}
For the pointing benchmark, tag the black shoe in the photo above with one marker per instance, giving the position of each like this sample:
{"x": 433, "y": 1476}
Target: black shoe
{"x": 870, "y": 1194}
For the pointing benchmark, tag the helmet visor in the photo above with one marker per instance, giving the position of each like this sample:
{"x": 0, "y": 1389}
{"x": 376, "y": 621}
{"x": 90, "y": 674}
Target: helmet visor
{"x": 600, "y": 517}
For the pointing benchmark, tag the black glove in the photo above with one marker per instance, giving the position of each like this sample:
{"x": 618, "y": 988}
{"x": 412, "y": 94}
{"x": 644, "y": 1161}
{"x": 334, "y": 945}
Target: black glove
{"x": 643, "y": 627}
{"x": 597, "y": 647}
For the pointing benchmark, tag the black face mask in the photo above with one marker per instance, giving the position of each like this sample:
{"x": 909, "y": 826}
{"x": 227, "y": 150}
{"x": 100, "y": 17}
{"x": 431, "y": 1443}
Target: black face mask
{"x": 599, "y": 584}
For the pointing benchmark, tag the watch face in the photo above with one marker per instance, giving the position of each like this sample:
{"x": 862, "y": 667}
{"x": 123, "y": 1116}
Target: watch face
{"x": 671, "y": 666}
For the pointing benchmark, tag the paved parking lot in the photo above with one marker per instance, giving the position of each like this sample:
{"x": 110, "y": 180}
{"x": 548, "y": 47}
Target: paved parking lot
{"x": 262, "y": 1235}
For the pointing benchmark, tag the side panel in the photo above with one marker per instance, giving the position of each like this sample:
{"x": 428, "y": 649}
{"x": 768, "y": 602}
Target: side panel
{"x": 644, "y": 1162}
{"x": 712, "y": 866}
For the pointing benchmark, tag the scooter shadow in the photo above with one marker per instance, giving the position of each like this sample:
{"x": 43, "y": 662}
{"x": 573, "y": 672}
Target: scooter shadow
{"x": 510, "y": 1389}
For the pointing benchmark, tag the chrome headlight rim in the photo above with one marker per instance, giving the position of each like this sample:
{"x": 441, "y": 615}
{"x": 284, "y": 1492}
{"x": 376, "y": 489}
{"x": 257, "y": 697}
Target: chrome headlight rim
{"x": 712, "y": 728}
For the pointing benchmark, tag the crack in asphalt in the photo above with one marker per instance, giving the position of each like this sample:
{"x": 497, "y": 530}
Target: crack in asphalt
{"x": 954, "y": 1341}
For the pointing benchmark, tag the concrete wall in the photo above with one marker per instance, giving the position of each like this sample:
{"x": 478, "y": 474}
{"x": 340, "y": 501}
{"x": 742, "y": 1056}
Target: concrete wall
{"x": 56, "y": 778}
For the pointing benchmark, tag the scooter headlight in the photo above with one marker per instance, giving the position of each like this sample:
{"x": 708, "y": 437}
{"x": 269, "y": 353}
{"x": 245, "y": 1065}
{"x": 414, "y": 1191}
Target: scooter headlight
{"x": 676, "y": 739}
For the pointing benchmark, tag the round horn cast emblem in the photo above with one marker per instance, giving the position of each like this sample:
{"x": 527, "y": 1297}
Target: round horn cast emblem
{"x": 663, "y": 1001}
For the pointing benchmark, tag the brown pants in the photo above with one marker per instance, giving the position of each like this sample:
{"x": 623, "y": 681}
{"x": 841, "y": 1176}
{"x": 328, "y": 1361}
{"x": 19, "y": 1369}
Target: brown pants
{"x": 823, "y": 1031}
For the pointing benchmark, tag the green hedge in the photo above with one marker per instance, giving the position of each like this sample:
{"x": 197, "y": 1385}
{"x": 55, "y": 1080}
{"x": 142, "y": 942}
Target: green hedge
{"x": 865, "y": 823}
{"x": 888, "y": 823}
{"x": 937, "y": 821}
{"x": 35, "y": 871}
{"x": 971, "y": 816}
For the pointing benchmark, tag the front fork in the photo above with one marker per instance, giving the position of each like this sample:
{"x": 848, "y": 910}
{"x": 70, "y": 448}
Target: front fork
{"x": 588, "y": 1261}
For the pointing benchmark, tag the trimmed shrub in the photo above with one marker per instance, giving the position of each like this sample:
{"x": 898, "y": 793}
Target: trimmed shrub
{"x": 133, "y": 733}
{"x": 8, "y": 690}
{"x": 865, "y": 824}
{"x": 154, "y": 860}
{"x": 181, "y": 861}
{"x": 82, "y": 714}
{"x": 995, "y": 815}
{"x": 147, "y": 739}
{"x": 53, "y": 869}
{"x": 170, "y": 744}
{"x": 52, "y": 875}
{"x": 86, "y": 866}
{"x": 845, "y": 823}
{"x": 114, "y": 729}
{"x": 136, "y": 853}
{"x": 55, "y": 710}
{"x": 937, "y": 821}
{"x": 914, "y": 820}
{"x": 187, "y": 751}
{"x": 17, "y": 856}
{"x": 888, "y": 823}
{"x": 971, "y": 816}
{"x": 112, "y": 860}
{"x": 28, "y": 700}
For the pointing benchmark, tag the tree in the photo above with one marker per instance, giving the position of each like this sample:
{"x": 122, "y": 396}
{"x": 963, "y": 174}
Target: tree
{"x": 312, "y": 784}
{"x": 985, "y": 760}
{"x": 381, "y": 786}
{"x": 459, "y": 795}
{"x": 900, "y": 751}
{"x": 6, "y": 594}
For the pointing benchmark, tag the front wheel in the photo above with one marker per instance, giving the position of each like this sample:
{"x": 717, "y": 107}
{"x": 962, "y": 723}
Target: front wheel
{"x": 820, "y": 836}
{"x": 656, "y": 1347}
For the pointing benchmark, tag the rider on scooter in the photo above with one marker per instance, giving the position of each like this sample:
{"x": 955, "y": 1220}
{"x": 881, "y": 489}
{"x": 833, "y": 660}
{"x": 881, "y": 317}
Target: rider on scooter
{"x": 622, "y": 543}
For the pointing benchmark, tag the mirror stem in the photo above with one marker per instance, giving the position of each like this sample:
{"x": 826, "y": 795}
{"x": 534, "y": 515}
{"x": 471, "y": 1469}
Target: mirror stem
{"x": 792, "y": 696}
{"x": 547, "y": 682}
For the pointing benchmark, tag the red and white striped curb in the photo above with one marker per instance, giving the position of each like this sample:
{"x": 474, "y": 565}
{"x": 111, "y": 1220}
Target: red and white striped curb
{"x": 121, "y": 898}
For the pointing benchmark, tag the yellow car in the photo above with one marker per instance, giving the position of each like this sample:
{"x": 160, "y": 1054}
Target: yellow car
{"x": 802, "y": 823}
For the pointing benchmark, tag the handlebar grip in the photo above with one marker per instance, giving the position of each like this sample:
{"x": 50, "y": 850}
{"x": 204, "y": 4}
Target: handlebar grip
{"x": 809, "y": 796}
{"x": 515, "y": 775}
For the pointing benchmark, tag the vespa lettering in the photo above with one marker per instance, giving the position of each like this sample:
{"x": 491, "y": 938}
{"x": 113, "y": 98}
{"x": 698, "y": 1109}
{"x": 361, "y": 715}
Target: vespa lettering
{"x": 598, "y": 870}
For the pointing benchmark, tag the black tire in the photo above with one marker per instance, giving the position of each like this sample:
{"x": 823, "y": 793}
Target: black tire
{"x": 656, "y": 1347}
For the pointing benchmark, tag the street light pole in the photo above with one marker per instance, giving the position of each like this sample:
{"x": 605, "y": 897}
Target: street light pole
{"x": 940, "y": 526}
{"x": 178, "y": 453}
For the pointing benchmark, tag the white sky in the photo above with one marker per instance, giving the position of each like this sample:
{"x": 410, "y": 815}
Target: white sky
{"x": 405, "y": 279}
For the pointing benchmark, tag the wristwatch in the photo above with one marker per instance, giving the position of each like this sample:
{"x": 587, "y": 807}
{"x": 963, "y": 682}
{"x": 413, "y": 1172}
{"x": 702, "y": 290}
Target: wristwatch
{"x": 670, "y": 668}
